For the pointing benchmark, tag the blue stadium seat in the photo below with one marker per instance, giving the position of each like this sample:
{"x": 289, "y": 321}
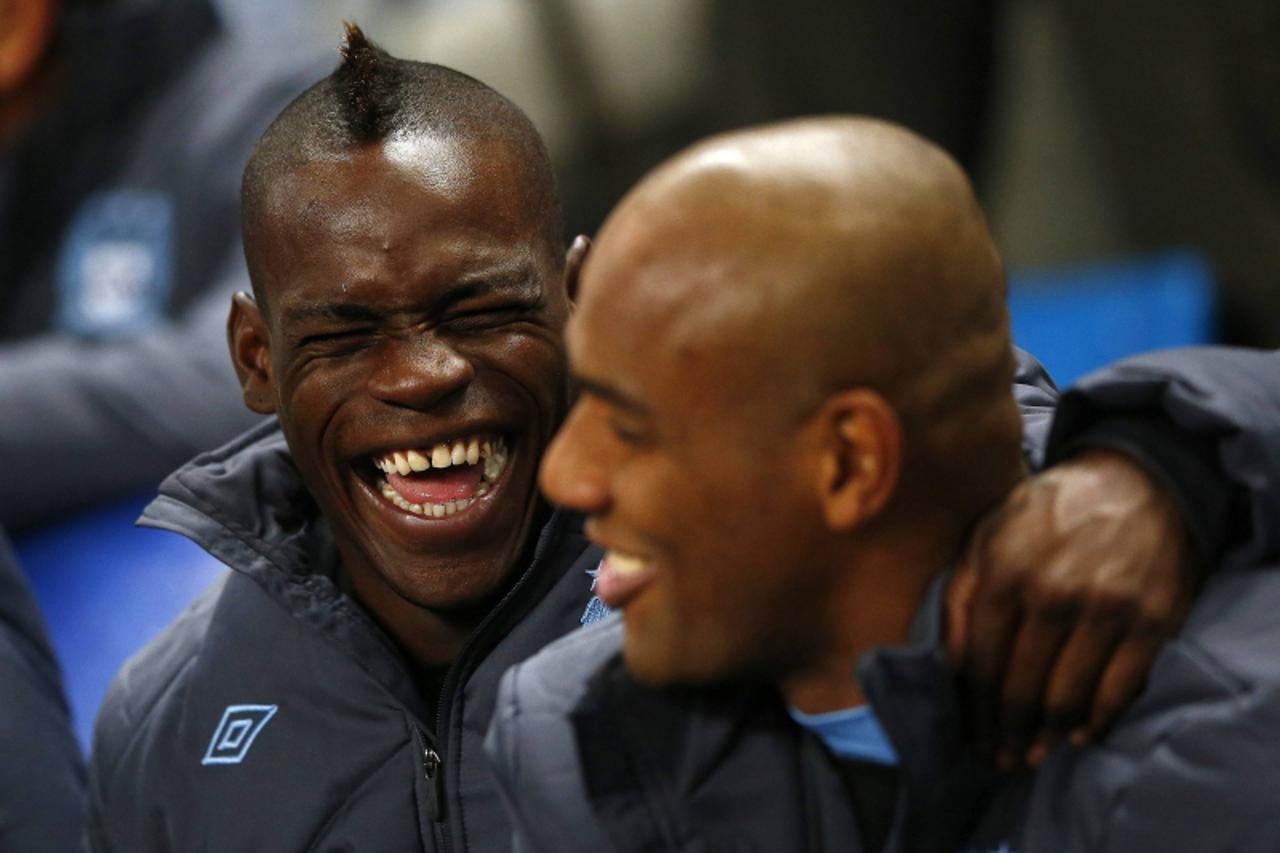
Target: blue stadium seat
{"x": 106, "y": 588}
{"x": 1079, "y": 319}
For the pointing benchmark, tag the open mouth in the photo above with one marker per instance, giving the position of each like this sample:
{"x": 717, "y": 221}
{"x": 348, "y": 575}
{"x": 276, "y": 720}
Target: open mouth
{"x": 444, "y": 479}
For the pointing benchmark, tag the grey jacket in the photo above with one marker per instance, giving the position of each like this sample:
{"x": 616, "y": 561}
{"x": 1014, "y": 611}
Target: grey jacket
{"x": 588, "y": 760}
{"x": 120, "y": 247}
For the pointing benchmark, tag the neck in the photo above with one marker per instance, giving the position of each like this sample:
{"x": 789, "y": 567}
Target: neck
{"x": 429, "y": 638}
{"x": 875, "y": 604}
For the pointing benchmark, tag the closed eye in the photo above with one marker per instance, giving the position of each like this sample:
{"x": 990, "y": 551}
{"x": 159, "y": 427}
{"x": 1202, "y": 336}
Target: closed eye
{"x": 628, "y": 434}
{"x": 489, "y": 318}
{"x": 344, "y": 338}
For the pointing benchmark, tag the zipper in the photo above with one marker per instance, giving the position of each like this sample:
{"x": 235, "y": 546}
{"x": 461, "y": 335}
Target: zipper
{"x": 551, "y": 533}
{"x": 429, "y": 790}
{"x": 432, "y": 764}
{"x": 431, "y": 767}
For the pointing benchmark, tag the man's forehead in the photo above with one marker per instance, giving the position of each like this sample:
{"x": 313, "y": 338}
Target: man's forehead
{"x": 427, "y": 165}
{"x": 663, "y": 320}
{"x": 683, "y": 275}
{"x": 439, "y": 286}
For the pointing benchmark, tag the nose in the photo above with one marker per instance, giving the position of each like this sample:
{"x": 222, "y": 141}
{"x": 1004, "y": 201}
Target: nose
{"x": 574, "y": 472}
{"x": 419, "y": 372}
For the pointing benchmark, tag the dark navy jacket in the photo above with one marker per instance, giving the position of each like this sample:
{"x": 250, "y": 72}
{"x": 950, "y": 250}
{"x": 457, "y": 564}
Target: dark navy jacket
{"x": 274, "y": 715}
{"x": 587, "y": 760}
{"x": 41, "y": 770}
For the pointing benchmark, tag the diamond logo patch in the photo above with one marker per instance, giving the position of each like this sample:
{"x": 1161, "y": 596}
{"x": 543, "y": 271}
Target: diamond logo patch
{"x": 236, "y": 731}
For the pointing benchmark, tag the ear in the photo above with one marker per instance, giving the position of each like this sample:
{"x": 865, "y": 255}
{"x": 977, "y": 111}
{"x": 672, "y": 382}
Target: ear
{"x": 251, "y": 353}
{"x": 862, "y": 456}
{"x": 573, "y": 261}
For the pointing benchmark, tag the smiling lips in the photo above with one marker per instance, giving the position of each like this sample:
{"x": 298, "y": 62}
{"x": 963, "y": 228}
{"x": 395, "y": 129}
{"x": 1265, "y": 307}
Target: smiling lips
{"x": 444, "y": 479}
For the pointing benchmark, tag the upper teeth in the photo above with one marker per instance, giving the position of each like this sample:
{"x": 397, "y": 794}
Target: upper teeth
{"x": 624, "y": 564}
{"x": 443, "y": 455}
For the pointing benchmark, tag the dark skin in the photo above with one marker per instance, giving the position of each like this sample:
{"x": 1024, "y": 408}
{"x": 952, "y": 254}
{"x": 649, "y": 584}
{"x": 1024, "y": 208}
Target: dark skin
{"x": 406, "y": 308}
{"x": 408, "y": 358}
{"x": 1039, "y": 636}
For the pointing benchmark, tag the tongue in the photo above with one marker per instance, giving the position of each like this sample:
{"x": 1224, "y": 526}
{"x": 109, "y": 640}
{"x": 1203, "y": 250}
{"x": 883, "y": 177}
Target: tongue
{"x": 617, "y": 590}
{"x": 437, "y": 486}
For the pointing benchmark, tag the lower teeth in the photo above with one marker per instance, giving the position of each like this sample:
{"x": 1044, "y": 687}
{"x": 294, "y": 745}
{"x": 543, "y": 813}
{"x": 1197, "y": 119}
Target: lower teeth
{"x": 439, "y": 510}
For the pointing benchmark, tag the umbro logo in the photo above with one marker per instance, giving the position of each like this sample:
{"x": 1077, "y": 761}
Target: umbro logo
{"x": 236, "y": 731}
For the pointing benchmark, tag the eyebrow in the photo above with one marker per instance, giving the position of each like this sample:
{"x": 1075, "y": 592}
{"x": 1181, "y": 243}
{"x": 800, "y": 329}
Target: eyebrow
{"x": 609, "y": 394}
{"x": 348, "y": 311}
{"x": 519, "y": 283}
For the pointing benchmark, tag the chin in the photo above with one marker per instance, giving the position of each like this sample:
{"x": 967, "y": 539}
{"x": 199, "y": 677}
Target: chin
{"x": 655, "y": 666}
{"x": 456, "y": 589}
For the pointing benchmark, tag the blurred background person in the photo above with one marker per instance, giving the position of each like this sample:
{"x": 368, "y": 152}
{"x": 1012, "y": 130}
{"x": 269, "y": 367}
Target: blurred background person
{"x": 124, "y": 125}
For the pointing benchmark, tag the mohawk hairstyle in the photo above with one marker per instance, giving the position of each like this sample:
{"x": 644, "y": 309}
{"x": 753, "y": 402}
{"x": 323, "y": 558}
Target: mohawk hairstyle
{"x": 370, "y": 81}
{"x": 372, "y": 96}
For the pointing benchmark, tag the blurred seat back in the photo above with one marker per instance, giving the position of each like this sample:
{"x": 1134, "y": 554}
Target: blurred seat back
{"x": 106, "y": 588}
{"x": 1078, "y": 319}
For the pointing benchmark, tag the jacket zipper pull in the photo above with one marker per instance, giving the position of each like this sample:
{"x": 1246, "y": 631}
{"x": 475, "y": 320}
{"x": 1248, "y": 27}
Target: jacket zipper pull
{"x": 431, "y": 766}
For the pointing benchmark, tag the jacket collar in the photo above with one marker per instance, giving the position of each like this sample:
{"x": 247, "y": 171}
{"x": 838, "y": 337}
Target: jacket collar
{"x": 660, "y": 765}
{"x": 245, "y": 503}
{"x": 918, "y": 701}
{"x": 689, "y": 768}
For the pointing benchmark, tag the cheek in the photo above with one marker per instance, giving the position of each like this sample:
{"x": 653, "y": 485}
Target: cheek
{"x": 743, "y": 548}
{"x": 311, "y": 381}
{"x": 311, "y": 400}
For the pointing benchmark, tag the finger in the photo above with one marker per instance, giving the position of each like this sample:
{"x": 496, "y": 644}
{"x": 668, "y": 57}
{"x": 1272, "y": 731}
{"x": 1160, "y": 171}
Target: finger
{"x": 1039, "y": 641}
{"x": 959, "y": 602}
{"x": 1123, "y": 679}
{"x": 1077, "y": 674}
{"x": 993, "y": 624}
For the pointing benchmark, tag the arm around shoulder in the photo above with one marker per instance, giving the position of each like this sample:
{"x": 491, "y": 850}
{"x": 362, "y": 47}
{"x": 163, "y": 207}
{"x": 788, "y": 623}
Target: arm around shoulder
{"x": 1222, "y": 402}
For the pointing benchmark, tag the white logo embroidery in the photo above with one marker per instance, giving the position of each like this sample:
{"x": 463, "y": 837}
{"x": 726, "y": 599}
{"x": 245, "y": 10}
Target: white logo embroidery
{"x": 236, "y": 731}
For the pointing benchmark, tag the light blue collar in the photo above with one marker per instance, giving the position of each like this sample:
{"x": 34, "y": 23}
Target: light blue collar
{"x": 850, "y": 733}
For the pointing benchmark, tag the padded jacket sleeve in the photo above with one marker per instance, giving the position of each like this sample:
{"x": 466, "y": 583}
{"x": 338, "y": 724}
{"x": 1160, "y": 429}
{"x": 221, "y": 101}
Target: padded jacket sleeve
{"x": 86, "y": 422}
{"x": 1226, "y": 399}
{"x": 1037, "y": 397}
{"x": 532, "y": 749}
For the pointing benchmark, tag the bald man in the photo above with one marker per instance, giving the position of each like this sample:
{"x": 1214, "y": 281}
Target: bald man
{"x": 781, "y": 496}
